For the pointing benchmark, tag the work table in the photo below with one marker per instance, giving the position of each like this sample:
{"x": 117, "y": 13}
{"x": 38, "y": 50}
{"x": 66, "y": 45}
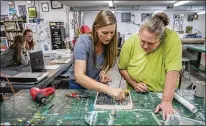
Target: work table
{"x": 21, "y": 109}
{"x": 52, "y": 74}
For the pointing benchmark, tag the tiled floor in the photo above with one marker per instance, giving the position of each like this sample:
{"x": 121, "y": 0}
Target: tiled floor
{"x": 195, "y": 76}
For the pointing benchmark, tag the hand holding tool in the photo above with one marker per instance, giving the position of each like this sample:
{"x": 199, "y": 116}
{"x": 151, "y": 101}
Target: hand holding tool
{"x": 126, "y": 92}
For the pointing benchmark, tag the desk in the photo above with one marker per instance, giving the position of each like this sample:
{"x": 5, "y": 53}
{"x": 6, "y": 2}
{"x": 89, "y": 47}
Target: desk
{"x": 21, "y": 109}
{"x": 41, "y": 84}
{"x": 199, "y": 49}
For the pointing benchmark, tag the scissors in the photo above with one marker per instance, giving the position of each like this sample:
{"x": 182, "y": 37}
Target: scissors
{"x": 74, "y": 95}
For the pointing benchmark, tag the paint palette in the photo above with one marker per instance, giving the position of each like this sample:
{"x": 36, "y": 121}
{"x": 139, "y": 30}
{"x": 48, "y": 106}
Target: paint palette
{"x": 104, "y": 101}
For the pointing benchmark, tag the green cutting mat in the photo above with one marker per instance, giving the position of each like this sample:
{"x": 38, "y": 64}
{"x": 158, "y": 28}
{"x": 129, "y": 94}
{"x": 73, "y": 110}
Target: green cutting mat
{"x": 21, "y": 109}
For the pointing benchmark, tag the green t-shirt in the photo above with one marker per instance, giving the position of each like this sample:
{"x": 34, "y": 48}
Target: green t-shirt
{"x": 151, "y": 68}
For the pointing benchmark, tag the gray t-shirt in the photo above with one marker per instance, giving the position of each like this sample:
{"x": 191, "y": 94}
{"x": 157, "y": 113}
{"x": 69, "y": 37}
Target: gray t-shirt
{"x": 83, "y": 50}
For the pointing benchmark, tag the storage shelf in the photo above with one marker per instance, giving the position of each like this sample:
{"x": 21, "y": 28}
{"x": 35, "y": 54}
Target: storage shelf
{"x": 15, "y": 21}
{"x": 14, "y": 30}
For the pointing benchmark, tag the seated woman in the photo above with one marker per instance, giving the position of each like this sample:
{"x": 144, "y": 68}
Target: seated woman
{"x": 151, "y": 60}
{"x": 94, "y": 54}
{"x": 28, "y": 40}
{"x": 15, "y": 54}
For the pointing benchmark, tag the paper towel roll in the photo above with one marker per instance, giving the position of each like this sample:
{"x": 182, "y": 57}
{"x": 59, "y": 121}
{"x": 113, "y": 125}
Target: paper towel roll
{"x": 184, "y": 102}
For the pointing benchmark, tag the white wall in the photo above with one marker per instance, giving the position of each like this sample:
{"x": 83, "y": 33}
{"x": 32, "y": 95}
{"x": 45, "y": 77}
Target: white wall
{"x": 4, "y": 8}
{"x": 125, "y": 28}
{"x": 53, "y": 14}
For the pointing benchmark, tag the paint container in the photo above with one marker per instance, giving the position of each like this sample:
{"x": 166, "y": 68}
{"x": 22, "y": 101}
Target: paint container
{"x": 199, "y": 88}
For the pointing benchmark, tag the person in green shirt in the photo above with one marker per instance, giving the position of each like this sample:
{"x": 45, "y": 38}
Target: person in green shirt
{"x": 152, "y": 59}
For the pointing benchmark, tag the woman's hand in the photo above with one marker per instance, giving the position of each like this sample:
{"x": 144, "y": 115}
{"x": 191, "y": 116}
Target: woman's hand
{"x": 104, "y": 78}
{"x": 140, "y": 87}
{"x": 117, "y": 93}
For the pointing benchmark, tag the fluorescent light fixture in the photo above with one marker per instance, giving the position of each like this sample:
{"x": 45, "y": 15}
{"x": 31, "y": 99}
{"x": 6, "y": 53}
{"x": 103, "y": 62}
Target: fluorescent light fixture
{"x": 158, "y": 11}
{"x": 178, "y": 3}
{"x": 110, "y": 3}
{"x": 28, "y": 2}
{"x": 201, "y": 12}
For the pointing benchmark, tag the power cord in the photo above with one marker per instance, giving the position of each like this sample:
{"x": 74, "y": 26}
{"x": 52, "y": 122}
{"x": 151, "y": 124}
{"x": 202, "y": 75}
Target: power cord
{"x": 8, "y": 82}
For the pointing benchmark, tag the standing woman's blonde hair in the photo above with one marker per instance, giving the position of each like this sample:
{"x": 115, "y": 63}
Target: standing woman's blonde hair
{"x": 105, "y": 18}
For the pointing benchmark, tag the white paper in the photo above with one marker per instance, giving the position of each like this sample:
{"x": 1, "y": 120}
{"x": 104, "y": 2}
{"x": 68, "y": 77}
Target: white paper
{"x": 185, "y": 103}
{"x": 51, "y": 67}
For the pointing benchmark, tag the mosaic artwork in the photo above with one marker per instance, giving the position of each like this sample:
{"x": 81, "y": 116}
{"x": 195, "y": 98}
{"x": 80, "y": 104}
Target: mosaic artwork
{"x": 104, "y": 101}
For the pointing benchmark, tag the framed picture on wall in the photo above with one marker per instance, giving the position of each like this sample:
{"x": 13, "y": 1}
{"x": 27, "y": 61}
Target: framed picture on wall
{"x": 56, "y": 5}
{"x": 178, "y": 26}
{"x": 22, "y": 10}
{"x": 145, "y": 16}
{"x": 126, "y": 17}
{"x": 32, "y": 12}
{"x": 45, "y": 7}
{"x": 178, "y": 16}
{"x": 190, "y": 17}
{"x": 195, "y": 16}
{"x": 188, "y": 29}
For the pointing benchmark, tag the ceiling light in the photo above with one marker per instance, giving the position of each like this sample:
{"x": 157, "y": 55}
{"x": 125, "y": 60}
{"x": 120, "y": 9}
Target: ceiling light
{"x": 28, "y": 2}
{"x": 10, "y": 2}
{"x": 201, "y": 12}
{"x": 110, "y": 3}
{"x": 178, "y": 3}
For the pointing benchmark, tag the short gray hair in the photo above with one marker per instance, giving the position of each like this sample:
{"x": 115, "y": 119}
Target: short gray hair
{"x": 156, "y": 24}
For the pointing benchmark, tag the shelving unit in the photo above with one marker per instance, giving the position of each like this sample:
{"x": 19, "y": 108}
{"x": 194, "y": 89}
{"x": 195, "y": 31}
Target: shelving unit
{"x": 3, "y": 39}
{"x": 13, "y": 28}
{"x": 14, "y": 21}
{"x": 3, "y": 34}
